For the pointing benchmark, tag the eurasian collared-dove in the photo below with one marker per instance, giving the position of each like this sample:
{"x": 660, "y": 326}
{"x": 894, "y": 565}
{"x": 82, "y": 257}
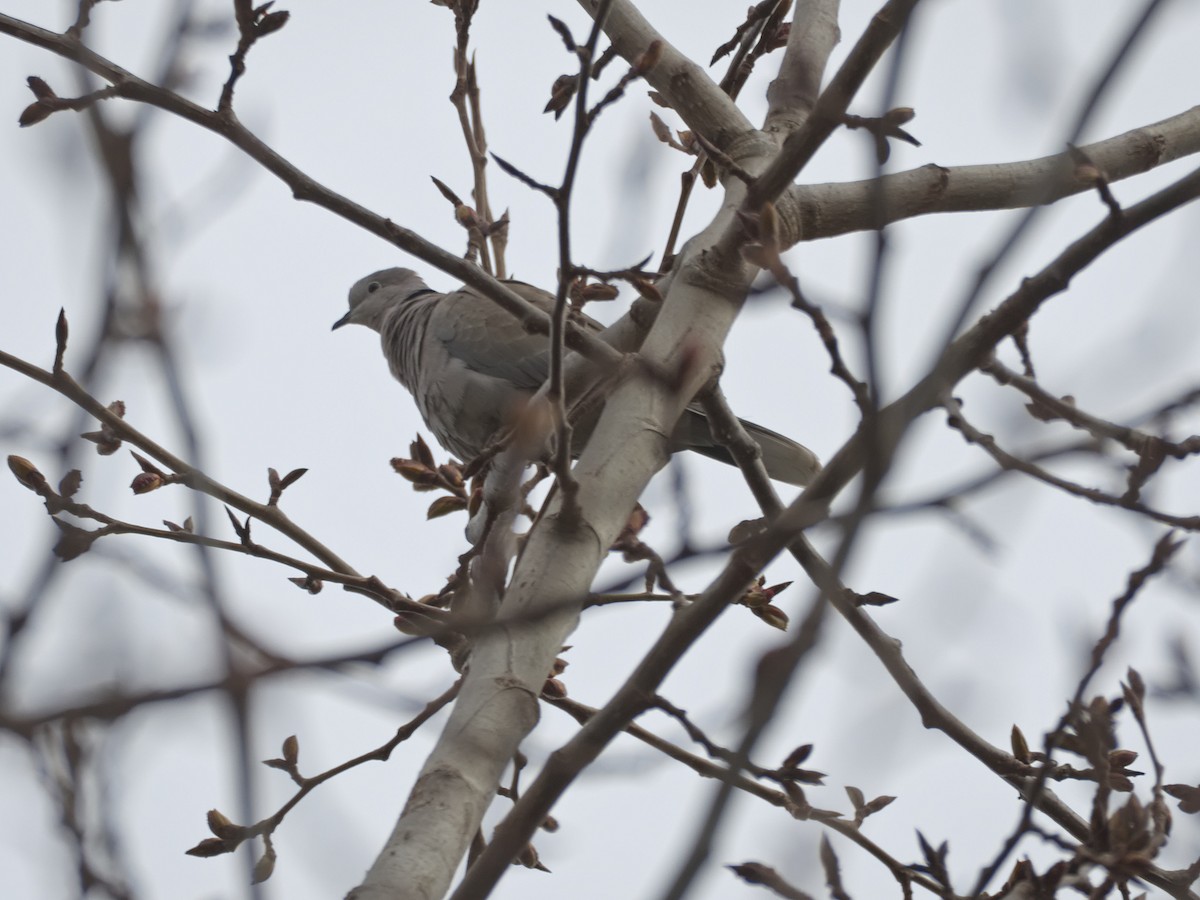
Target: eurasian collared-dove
{"x": 470, "y": 365}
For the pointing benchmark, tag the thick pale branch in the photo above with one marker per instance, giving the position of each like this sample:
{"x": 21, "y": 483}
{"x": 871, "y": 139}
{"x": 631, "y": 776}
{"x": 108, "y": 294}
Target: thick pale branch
{"x": 632, "y": 698}
{"x": 685, "y": 86}
{"x": 827, "y": 114}
{"x": 498, "y": 704}
{"x": 811, "y": 212}
{"x": 793, "y": 93}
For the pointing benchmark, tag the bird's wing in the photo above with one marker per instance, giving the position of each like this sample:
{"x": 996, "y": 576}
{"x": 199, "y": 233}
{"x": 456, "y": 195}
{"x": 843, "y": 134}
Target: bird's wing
{"x": 488, "y": 340}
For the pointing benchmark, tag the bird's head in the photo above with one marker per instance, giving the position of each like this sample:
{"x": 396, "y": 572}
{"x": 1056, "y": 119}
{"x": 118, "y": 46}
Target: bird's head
{"x": 375, "y": 294}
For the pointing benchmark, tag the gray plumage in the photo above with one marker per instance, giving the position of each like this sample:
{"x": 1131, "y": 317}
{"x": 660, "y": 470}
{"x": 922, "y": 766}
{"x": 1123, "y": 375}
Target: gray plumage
{"x": 470, "y": 366}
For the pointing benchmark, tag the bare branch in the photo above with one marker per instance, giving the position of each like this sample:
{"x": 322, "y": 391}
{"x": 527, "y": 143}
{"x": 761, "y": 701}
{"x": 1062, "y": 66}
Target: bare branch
{"x": 812, "y": 212}
{"x": 812, "y": 37}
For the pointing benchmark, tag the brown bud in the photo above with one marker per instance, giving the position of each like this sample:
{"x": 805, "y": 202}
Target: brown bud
{"x": 416, "y": 472}
{"x": 597, "y": 292}
{"x": 451, "y": 474}
{"x": 1120, "y": 782}
{"x": 528, "y": 857}
{"x": 308, "y": 583}
{"x": 661, "y": 131}
{"x": 1020, "y": 747}
{"x": 1119, "y": 759}
{"x": 210, "y": 847}
{"x": 40, "y": 89}
{"x": 291, "y": 749}
{"x": 755, "y": 596}
{"x": 27, "y": 473}
{"x": 554, "y": 689}
{"x": 266, "y": 863}
{"x": 34, "y": 113}
{"x": 773, "y": 616}
{"x": 220, "y": 825}
{"x": 421, "y": 452}
{"x": 797, "y": 756}
{"x": 466, "y": 216}
{"x": 271, "y": 22}
{"x": 145, "y": 482}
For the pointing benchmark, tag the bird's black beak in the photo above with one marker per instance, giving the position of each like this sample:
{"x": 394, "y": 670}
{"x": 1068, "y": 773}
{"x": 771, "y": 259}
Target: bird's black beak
{"x": 344, "y": 320}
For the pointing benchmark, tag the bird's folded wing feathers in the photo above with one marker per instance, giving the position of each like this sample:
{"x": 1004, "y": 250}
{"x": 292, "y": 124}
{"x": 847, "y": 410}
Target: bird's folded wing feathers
{"x": 489, "y": 340}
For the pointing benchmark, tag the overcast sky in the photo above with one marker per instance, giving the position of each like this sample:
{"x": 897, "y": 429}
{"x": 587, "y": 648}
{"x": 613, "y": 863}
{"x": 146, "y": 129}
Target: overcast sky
{"x": 355, "y": 94}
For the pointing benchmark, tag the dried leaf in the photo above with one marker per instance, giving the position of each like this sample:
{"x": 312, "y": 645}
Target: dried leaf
{"x": 444, "y": 506}
{"x": 69, "y": 486}
{"x": 561, "y": 93}
{"x": 73, "y": 541}
{"x": 1187, "y": 795}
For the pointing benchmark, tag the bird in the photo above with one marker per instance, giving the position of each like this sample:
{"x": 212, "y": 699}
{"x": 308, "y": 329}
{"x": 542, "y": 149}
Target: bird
{"x": 470, "y": 366}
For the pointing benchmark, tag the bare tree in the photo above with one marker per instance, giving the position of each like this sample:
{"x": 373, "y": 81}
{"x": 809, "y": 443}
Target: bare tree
{"x": 548, "y": 510}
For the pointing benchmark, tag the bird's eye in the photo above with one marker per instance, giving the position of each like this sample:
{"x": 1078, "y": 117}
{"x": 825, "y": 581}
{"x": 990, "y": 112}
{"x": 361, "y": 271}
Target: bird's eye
{"x": 373, "y": 287}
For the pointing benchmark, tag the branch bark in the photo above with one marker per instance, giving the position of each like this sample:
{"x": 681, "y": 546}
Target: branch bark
{"x": 812, "y": 212}
{"x": 793, "y": 93}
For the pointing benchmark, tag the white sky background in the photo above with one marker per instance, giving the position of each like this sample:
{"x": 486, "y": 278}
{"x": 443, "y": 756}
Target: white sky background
{"x": 355, "y": 94}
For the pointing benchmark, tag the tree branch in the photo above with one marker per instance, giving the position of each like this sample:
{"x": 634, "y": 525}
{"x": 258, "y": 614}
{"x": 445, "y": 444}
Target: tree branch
{"x": 685, "y": 86}
{"x": 813, "y": 212}
{"x": 793, "y": 93}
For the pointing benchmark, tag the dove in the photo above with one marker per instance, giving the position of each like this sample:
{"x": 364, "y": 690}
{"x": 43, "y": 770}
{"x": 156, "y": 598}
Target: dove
{"x": 470, "y": 366}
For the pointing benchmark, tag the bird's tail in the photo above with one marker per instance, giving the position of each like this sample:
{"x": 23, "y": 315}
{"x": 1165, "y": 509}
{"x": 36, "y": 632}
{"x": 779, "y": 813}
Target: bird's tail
{"x": 783, "y": 458}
